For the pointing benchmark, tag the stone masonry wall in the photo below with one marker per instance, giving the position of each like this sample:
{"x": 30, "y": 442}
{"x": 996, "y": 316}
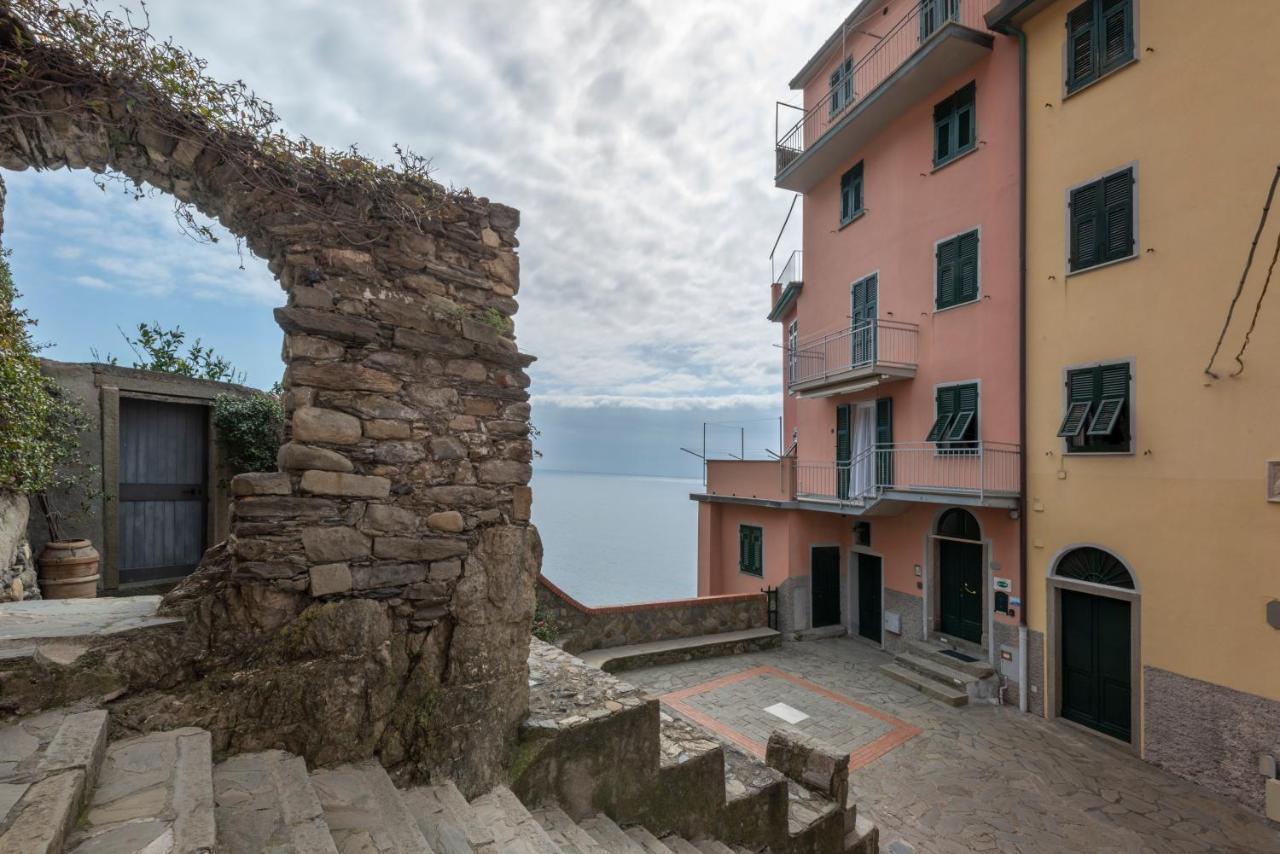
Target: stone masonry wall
{"x": 17, "y": 569}
{"x": 376, "y": 592}
{"x": 584, "y": 628}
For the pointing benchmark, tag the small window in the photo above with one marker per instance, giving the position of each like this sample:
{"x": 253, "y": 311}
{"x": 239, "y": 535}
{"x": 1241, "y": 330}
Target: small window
{"x": 1099, "y": 40}
{"x": 851, "y": 194}
{"x": 1102, "y": 221}
{"x": 1097, "y": 420}
{"x": 934, "y": 13}
{"x": 840, "y": 95}
{"x": 955, "y": 425}
{"x": 957, "y": 270}
{"x": 793, "y": 339}
{"x": 751, "y": 550}
{"x": 954, "y": 125}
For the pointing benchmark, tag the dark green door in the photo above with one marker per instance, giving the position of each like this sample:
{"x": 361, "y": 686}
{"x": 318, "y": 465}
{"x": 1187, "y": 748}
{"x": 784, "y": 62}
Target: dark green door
{"x": 1095, "y": 662}
{"x": 960, "y": 572}
{"x": 869, "y": 597}
{"x": 844, "y": 448}
{"x": 825, "y": 586}
{"x": 862, "y": 313}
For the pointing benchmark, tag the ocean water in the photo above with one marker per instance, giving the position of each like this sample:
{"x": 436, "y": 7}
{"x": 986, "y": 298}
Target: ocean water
{"x": 612, "y": 539}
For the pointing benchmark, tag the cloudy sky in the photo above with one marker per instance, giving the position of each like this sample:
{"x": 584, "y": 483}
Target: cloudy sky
{"x": 635, "y": 136}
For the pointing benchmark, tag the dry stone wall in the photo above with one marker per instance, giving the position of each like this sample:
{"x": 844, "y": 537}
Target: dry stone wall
{"x": 376, "y": 592}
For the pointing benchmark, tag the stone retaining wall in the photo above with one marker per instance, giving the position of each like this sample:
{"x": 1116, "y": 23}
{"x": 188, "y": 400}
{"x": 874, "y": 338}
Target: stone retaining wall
{"x": 584, "y": 628}
{"x": 17, "y": 569}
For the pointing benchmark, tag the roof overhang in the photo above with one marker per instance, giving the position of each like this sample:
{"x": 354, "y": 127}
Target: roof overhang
{"x": 785, "y": 300}
{"x": 1008, "y": 14}
{"x": 860, "y": 13}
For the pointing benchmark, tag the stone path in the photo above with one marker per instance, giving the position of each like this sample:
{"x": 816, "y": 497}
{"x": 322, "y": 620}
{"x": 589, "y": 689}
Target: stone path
{"x": 975, "y": 778}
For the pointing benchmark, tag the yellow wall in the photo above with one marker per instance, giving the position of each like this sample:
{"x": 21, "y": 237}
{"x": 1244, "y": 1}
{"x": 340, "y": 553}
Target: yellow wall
{"x": 1199, "y": 113}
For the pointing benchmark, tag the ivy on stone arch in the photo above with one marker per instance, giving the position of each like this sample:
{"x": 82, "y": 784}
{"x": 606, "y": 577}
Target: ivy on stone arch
{"x": 1095, "y": 566}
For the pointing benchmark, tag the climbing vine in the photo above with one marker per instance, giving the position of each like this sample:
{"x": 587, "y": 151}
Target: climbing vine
{"x": 55, "y": 56}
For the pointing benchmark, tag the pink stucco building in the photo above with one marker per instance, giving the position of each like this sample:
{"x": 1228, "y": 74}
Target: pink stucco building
{"x": 893, "y": 514}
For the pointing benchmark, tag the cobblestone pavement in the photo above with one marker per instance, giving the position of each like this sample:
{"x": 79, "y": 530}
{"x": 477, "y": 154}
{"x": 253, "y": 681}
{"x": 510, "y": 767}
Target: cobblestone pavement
{"x": 975, "y": 778}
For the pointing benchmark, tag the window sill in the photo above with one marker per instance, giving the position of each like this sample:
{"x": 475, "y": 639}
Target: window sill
{"x": 1071, "y": 274}
{"x": 851, "y": 220}
{"x": 973, "y": 301}
{"x": 1068, "y": 95}
{"x": 751, "y": 574}
{"x": 1128, "y": 453}
{"x": 937, "y": 167}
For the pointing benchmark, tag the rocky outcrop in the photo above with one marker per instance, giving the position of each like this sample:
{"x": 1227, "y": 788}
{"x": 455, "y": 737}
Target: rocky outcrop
{"x": 17, "y": 569}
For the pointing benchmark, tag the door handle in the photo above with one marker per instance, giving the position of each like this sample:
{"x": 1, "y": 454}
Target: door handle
{"x": 969, "y": 590}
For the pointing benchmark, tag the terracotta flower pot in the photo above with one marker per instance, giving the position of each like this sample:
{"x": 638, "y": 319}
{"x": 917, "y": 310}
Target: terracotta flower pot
{"x": 68, "y": 570}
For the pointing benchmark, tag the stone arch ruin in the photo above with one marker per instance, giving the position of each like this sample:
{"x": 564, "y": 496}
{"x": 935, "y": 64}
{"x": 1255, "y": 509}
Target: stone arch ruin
{"x": 376, "y": 593}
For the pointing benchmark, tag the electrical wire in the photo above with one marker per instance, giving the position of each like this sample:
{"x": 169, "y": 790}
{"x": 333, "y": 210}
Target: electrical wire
{"x": 1257, "y": 309}
{"x": 1266, "y": 209}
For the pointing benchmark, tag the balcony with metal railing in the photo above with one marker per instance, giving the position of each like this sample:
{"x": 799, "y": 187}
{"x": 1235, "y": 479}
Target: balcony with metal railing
{"x": 930, "y": 44}
{"x": 866, "y": 354}
{"x": 882, "y": 480}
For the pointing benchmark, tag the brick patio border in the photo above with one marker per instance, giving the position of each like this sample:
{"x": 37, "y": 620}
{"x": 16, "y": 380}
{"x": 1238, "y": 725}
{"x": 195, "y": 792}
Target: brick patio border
{"x": 901, "y": 731}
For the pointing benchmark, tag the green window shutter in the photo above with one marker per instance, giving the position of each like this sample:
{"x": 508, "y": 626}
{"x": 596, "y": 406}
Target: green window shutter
{"x": 964, "y": 426}
{"x": 1086, "y": 242}
{"x": 758, "y": 550}
{"x": 1081, "y": 395}
{"x": 1113, "y": 394}
{"x": 945, "y": 406}
{"x": 942, "y": 130}
{"x": 1115, "y": 34}
{"x": 1080, "y": 60}
{"x": 844, "y": 443}
{"x": 884, "y": 441}
{"x": 967, "y": 276}
{"x": 846, "y": 196}
{"x": 947, "y": 256}
{"x": 1117, "y": 202}
{"x": 744, "y": 547}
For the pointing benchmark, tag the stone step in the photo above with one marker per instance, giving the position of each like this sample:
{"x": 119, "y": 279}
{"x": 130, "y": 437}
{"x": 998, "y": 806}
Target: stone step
{"x": 647, "y": 841}
{"x": 364, "y": 811}
{"x": 41, "y": 818}
{"x": 679, "y": 845}
{"x": 566, "y": 833}
{"x": 936, "y": 651}
{"x": 925, "y": 685}
{"x": 864, "y": 839}
{"x": 446, "y": 819}
{"x": 931, "y": 668}
{"x": 514, "y": 829}
{"x": 154, "y": 792}
{"x": 634, "y": 656}
{"x": 79, "y": 744}
{"x": 265, "y": 802}
{"x": 711, "y": 846}
{"x": 611, "y": 837}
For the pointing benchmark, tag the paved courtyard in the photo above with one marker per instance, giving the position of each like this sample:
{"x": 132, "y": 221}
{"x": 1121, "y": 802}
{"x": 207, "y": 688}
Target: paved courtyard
{"x": 942, "y": 779}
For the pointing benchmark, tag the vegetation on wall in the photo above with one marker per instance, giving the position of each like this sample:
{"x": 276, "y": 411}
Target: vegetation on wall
{"x": 159, "y": 349}
{"x": 250, "y": 430}
{"x": 40, "y": 425}
{"x": 72, "y": 48}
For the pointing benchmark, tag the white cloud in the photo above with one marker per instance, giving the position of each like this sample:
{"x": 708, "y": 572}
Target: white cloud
{"x": 634, "y": 135}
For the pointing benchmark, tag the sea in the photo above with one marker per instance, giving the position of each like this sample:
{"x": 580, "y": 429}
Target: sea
{"x": 615, "y": 539}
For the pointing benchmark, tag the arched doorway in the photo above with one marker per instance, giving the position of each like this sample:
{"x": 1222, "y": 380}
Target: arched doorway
{"x": 1095, "y": 603}
{"x": 960, "y": 585}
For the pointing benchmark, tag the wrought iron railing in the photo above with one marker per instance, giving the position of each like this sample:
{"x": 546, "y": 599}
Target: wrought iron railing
{"x": 979, "y": 469}
{"x": 884, "y": 343}
{"x": 923, "y": 21}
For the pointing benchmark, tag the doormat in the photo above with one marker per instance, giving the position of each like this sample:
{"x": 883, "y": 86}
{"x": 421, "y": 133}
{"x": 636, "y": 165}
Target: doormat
{"x": 959, "y": 655}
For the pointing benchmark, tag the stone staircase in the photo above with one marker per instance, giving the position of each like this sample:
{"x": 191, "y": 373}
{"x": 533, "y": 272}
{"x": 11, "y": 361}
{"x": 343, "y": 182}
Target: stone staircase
{"x": 63, "y": 788}
{"x": 934, "y": 669}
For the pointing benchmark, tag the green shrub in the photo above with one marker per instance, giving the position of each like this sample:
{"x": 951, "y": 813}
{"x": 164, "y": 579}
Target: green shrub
{"x": 39, "y": 423}
{"x": 250, "y": 430}
{"x": 545, "y": 625}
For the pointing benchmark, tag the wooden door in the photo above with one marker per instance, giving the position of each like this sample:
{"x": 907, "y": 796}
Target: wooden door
{"x": 869, "y": 606}
{"x": 960, "y": 579}
{"x": 163, "y": 489}
{"x": 825, "y": 586}
{"x": 1096, "y": 686}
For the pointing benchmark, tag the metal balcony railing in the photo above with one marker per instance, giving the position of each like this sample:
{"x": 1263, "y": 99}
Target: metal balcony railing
{"x": 792, "y": 270}
{"x": 976, "y": 469}
{"x": 869, "y": 345}
{"x": 923, "y": 21}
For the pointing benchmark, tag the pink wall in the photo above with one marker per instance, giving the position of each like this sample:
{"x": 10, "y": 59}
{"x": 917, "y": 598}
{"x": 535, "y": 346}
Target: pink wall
{"x": 718, "y": 572}
{"x": 909, "y": 208}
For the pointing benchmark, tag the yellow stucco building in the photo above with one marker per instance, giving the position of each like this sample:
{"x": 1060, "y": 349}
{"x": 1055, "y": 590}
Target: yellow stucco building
{"x": 1152, "y": 522}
